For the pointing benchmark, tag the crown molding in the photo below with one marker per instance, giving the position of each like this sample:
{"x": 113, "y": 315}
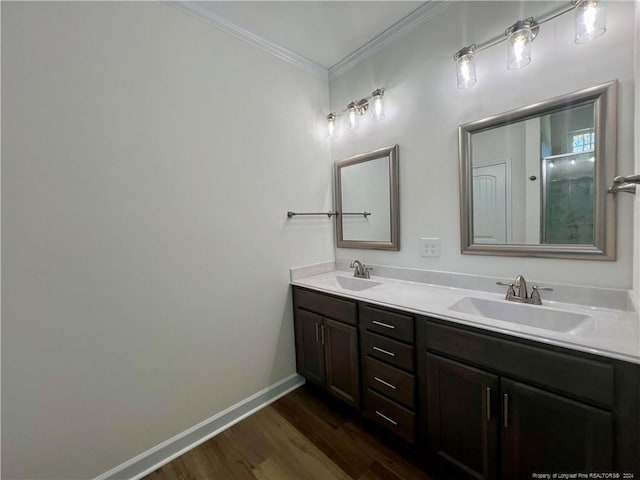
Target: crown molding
{"x": 420, "y": 15}
{"x": 195, "y": 10}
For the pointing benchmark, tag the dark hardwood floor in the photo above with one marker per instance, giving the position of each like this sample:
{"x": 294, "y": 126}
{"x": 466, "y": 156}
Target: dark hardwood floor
{"x": 298, "y": 437}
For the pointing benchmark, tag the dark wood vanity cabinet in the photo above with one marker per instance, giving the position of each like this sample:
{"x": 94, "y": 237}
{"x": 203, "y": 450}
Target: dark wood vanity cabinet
{"x": 545, "y": 432}
{"x": 479, "y": 404}
{"x": 496, "y": 408}
{"x": 327, "y": 343}
{"x": 462, "y": 421}
{"x": 388, "y": 363}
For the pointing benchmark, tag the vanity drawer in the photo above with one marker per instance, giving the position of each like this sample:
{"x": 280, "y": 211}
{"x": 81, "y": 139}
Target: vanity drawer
{"x": 389, "y": 415}
{"x": 322, "y": 304}
{"x": 390, "y": 324}
{"x": 390, "y": 381}
{"x": 581, "y": 377}
{"x": 387, "y": 350}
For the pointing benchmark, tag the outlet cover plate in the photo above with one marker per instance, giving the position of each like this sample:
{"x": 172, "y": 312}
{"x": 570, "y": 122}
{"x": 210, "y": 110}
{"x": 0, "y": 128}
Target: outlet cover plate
{"x": 429, "y": 247}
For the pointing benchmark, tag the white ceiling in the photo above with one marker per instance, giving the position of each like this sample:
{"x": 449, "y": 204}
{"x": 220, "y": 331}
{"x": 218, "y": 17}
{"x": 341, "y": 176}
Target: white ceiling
{"x": 324, "y": 32}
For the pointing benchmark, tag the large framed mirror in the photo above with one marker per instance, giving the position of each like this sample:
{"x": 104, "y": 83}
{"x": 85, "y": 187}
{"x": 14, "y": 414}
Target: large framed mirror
{"x": 366, "y": 192}
{"x": 533, "y": 181}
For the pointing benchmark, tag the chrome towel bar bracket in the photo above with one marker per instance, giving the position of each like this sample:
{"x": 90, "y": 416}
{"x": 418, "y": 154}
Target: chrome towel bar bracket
{"x": 625, "y": 184}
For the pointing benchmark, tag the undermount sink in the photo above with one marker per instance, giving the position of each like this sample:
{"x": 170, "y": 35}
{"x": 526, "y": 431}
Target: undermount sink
{"x": 529, "y": 315}
{"x": 355, "y": 284}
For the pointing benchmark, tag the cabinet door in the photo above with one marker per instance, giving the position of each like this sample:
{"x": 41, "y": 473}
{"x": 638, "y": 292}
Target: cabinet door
{"x": 546, "y": 433}
{"x": 341, "y": 360}
{"x": 309, "y": 348}
{"x": 462, "y": 417}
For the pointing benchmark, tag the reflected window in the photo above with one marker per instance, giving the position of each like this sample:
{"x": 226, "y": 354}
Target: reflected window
{"x": 582, "y": 141}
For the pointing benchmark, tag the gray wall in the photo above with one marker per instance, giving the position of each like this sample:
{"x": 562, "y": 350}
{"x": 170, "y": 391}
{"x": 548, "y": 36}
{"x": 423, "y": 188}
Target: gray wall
{"x": 148, "y": 161}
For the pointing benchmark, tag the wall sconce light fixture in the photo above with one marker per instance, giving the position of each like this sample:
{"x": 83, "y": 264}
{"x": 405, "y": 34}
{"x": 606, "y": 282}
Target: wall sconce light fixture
{"x": 519, "y": 38}
{"x": 355, "y": 110}
{"x": 590, "y": 23}
{"x": 331, "y": 125}
{"x": 378, "y": 104}
{"x": 465, "y": 68}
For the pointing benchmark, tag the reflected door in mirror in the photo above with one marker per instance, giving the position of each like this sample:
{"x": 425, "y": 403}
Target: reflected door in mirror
{"x": 490, "y": 220}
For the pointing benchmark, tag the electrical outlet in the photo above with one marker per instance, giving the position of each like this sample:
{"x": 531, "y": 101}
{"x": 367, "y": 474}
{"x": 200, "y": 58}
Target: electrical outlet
{"x": 430, "y": 247}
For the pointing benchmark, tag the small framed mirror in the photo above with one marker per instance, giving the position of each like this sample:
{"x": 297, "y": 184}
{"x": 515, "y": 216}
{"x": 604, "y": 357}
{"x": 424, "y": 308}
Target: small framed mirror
{"x": 533, "y": 181}
{"x": 367, "y": 200}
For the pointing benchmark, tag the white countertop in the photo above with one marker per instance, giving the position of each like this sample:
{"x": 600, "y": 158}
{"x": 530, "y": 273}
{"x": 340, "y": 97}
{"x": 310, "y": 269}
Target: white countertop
{"x": 611, "y": 333}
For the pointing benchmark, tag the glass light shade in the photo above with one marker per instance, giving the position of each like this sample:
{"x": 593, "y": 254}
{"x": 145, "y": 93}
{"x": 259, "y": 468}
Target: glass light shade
{"x": 352, "y": 115}
{"x": 377, "y": 105}
{"x": 466, "y": 71}
{"x": 590, "y": 21}
{"x": 519, "y": 48}
{"x": 331, "y": 125}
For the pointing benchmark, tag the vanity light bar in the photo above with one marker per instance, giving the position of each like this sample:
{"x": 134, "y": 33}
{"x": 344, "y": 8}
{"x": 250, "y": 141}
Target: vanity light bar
{"x": 590, "y": 23}
{"x": 354, "y": 110}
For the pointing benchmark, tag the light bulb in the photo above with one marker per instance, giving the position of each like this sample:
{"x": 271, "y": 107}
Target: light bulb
{"x": 331, "y": 125}
{"x": 590, "y": 20}
{"x": 519, "y": 47}
{"x": 466, "y": 70}
{"x": 352, "y": 115}
{"x": 377, "y": 110}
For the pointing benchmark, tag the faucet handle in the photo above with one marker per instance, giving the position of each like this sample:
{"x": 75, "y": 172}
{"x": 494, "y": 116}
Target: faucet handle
{"x": 510, "y": 290}
{"x": 535, "y": 294}
{"x": 543, "y": 289}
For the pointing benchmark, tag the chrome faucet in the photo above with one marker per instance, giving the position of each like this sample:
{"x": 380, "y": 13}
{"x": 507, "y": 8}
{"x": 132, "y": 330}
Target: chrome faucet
{"x": 361, "y": 271}
{"x": 520, "y": 286}
{"x": 517, "y": 291}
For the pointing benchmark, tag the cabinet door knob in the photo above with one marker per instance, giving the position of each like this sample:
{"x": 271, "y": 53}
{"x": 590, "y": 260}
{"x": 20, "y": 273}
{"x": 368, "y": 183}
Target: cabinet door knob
{"x": 488, "y": 404}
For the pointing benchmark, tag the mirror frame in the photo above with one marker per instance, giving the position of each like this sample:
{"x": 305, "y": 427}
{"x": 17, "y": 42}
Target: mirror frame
{"x": 394, "y": 196}
{"x": 605, "y": 101}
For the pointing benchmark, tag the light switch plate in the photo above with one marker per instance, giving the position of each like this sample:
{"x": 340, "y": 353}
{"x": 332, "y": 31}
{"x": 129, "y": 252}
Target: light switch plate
{"x": 429, "y": 247}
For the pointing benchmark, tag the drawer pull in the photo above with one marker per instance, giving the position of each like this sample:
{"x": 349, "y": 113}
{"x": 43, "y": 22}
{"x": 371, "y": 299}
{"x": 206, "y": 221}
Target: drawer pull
{"x": 386, "y": 352}
{"x": 393, "y": 422}
{"x": 384, "y": 383}
{"x": 386, "y": 325}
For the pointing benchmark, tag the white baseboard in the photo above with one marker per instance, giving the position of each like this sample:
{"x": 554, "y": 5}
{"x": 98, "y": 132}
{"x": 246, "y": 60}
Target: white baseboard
{"x": 155, "y": 457}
